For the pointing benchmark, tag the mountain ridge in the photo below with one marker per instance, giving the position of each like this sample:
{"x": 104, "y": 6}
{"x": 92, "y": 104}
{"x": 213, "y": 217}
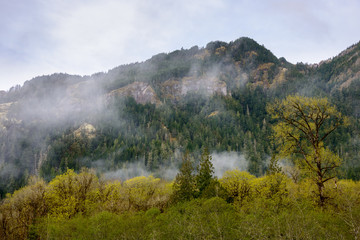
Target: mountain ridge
{"x": 150, "y": 113}
{"x": 254, "y": 61}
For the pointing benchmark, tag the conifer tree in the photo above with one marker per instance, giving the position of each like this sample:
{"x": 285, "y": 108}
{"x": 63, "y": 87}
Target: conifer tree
{"x": 184, "y": 185}
{"x": 205, "y": 175}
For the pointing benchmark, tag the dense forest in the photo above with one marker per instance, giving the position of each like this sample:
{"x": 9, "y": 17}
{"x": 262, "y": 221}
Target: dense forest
{"x": 196, "y": 205}
{"x": 151, "y": 119}
{"x": 151, "y": 113}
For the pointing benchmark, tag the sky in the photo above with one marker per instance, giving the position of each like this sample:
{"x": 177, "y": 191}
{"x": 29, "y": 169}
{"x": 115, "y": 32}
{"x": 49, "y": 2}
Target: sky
{"x": 40, "y": 37}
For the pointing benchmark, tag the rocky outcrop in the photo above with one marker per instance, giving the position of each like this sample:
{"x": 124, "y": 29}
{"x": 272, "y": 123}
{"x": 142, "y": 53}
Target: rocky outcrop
{"x": 140, "y": 91}
{"x": 207, "y": 85}
{"x": 86, "y": 130}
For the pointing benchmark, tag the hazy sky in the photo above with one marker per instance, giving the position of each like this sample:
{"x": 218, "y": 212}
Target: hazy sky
{"x": 40, "y": 37}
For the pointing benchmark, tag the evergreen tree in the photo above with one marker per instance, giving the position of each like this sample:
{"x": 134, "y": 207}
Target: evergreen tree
{"x": 205, "y": 176}
{"x": 184, "y": 185}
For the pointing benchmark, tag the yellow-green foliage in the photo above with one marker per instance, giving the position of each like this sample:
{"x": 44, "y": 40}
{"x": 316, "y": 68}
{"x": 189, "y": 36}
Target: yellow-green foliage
{"x": 305, "y": 191}
{"x": 299, "y": 135}
{"x": 238, "y": 184}
{"x": 146, "y": 192}
{"x": 269, "y": 193}
{"x": 112, "y": 197}
{"x": 303, "y": 125}
{"x": 347, "y": 202}
{"x": 271, "y": 186}
{"x": 71, "y": 193}
{"x": 19, "y": 210}
{"x": 79, "y": 206}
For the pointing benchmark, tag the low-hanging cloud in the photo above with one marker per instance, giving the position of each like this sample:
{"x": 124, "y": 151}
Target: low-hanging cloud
{"x": 225, "y": 161}
{"x": 222, "y": 162}
{"x": 130, "y": 170}
{"x": 136, "y": 169}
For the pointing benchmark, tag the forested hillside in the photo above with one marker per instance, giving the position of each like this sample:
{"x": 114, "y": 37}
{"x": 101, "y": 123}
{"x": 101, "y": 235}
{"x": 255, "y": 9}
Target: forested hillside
{"x": 194, "y": 206}
{"x": 226, "y": 141}
{"x": 143, "y": 117}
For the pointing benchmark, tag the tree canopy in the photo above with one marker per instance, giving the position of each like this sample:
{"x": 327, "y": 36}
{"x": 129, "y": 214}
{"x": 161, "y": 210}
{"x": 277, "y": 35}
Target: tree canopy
{"x": 304, "y": 124}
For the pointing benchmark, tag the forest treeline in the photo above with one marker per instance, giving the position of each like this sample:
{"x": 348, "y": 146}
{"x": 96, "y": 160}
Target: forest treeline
{"x": 236, "y": 206}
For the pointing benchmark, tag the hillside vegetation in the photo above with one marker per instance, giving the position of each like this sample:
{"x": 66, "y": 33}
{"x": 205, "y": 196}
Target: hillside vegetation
{"x": 242, "y": 206}
{"x": 302, "y": 199}
{"x": 150, "y": 114}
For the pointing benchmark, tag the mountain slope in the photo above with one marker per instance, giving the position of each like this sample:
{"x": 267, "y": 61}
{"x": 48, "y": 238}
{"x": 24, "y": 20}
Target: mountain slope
{"x": 343, "y": 69}
{"x": 149, "y": 113}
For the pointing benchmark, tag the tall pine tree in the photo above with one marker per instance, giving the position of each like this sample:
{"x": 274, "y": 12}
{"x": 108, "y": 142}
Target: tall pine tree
{"x": 184, "y": 185}
{"x": 205, "y": 176}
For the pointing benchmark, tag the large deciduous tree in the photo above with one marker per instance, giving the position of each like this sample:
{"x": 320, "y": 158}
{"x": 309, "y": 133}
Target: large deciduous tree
{"x": 304, "y": 124}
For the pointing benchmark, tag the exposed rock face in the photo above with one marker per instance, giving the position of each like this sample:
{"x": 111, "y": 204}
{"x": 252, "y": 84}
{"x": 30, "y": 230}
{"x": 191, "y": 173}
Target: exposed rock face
{"x": 86, "y": 130}
{"x": 205, "y": 85}
{"x": 140, "y": 91}
{"x": 208, "y": 85}
{"x": 171, "y": 89}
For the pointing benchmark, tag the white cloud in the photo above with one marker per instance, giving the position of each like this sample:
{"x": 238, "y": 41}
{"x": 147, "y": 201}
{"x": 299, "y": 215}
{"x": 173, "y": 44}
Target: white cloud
{"x": 225, "y": 161}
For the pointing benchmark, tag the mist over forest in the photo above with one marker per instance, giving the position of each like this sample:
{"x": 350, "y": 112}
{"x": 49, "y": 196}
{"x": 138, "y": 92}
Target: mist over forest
{"x": 141, "y": 118}
{"x": 226, "y": 141}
